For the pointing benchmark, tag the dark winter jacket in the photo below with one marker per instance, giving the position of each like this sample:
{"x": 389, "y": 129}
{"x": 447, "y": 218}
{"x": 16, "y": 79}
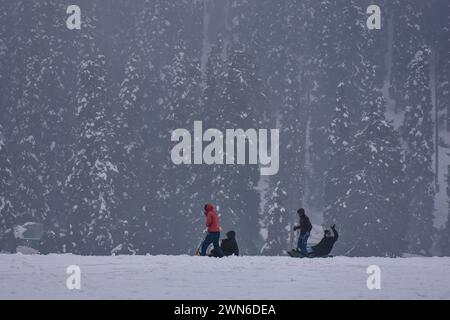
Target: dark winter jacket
{"x": 325, "y": 245}
{"x": 229, "y": 245}
{"x": 305, "y": 225}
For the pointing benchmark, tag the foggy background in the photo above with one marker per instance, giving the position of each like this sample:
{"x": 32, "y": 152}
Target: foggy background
{"x": 364, "y": 119}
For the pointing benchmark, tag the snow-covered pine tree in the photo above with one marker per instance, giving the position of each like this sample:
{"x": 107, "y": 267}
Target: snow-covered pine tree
{"x": 277, "y": 220}
{"x": 258, "y": 29}
{"x": 378, "y": 204}
{"x": 4, "y": 63}
{"x": 440, "y": 29}
{"x": 243, "y": 35}
{"x": 340, "y": 140}
{"x": 186, "y": 182}
{"x": 441, "y": 53}
{"x": 288, "y": 81}
{"x": 179, "y": 187}
{"x": 445, "y": 233}
{"x": 417, "y": 132}
{"x": 90, "y": 181}
{"x": 7, "y": 216}
{"x": 40, "y": 158}
{"x": 34, "y": 107}
{"x": 214, "y": 78}
{"x": 352, "y": 58}
{"x": 409, "y": 34}
{"x": 320, "y": 91}
{"x": 279, "y": 213}
{"x": 234, "y": 186}
{"x": 130, "y": 183}
{"x": 152, "y": 43}
{"x": 366, "y": 186}
{"x": 213, "y": 85}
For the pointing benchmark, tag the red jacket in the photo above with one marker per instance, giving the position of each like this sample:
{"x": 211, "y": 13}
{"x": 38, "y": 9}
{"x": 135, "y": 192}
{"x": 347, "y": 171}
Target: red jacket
{"x": 212, "y": 219}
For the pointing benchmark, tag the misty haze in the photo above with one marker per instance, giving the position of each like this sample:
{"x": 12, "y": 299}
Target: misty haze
{"x": 86, "y": 118}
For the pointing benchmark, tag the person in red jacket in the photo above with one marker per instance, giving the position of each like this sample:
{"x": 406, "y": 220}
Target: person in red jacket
{"x": 213, "y": 236}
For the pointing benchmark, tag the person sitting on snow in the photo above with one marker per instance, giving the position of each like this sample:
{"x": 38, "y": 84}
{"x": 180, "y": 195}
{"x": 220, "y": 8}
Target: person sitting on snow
{"x": 228, "y": 245}
{"x": 324, "y": 247}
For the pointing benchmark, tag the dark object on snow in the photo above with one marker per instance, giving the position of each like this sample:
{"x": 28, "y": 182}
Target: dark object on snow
{"x": 8, "y": 243}
{"x": 297, "y": 254}
{"x": 325, "y": 245}
{"x": 305, "y": 225}
{"x": 229, "y": 245}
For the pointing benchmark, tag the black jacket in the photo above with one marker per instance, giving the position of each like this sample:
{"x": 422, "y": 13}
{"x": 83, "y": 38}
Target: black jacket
{"x": 229, "y": 245}
{"x": 305, "y": 225}
{"x": 325, "y": 245}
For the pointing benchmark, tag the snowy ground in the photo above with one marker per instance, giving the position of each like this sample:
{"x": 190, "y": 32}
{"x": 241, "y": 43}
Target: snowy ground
{"x": 185, "y": 277}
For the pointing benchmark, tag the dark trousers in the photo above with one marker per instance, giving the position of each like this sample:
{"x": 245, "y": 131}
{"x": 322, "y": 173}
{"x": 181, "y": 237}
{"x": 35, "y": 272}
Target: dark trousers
{"x": 212, "y": 237}
{"x": 303, "y": 242}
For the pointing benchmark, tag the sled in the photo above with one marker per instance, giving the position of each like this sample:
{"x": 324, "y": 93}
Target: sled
{"x": 199, "y": 246}
{"x": 297, "y": 254}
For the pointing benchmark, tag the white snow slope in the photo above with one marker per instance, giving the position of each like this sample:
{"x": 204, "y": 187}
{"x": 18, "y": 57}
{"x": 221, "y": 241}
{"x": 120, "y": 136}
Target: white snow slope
{"x": 186, "y": 277}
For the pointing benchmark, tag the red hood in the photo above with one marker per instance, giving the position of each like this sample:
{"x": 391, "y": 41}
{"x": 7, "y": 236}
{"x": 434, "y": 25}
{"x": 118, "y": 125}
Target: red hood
{"x": 209, "y": 207}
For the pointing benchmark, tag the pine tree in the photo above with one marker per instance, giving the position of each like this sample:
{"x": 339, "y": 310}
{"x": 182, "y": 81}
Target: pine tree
{"x": 445, "y": 234}
{"x": 277, "y": 220}
{"x": 234, "y": 186}
{"x": 214, "y": 78}
{"x": 152, "y": 44}
{"x": 367, "y": 188}
{"x": 7, "y": 216}
{"x": 290, "y": 177}
{"x": 340, "y": 141}
{"x": 4, "y": 63}
{"x": 35, "y": 105}
{"x": 91, "y": 178}
{"x": 131, "y": 185}
{"x": 441, "y": 48}
{"x": 184, "y": 107}
{"x": 36, "y": 110}
{"x": 417, "y": 132}
{"x": 320, "y": 91}
{"x": 441, "y": 29}
{"x": 410, "y": 34}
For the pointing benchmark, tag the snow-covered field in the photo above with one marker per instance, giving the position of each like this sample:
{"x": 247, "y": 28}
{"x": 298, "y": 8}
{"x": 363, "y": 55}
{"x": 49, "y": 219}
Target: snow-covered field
{"x": 186, "y": 277}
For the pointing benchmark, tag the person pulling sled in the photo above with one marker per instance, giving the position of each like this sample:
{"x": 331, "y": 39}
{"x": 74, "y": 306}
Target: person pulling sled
{"x": 305, "y": 227}
{"x": 213, "y": 236}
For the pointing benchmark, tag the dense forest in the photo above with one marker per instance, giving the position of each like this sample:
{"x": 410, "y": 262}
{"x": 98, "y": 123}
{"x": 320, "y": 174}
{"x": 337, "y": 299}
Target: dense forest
{"x": 364, "y": 116}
